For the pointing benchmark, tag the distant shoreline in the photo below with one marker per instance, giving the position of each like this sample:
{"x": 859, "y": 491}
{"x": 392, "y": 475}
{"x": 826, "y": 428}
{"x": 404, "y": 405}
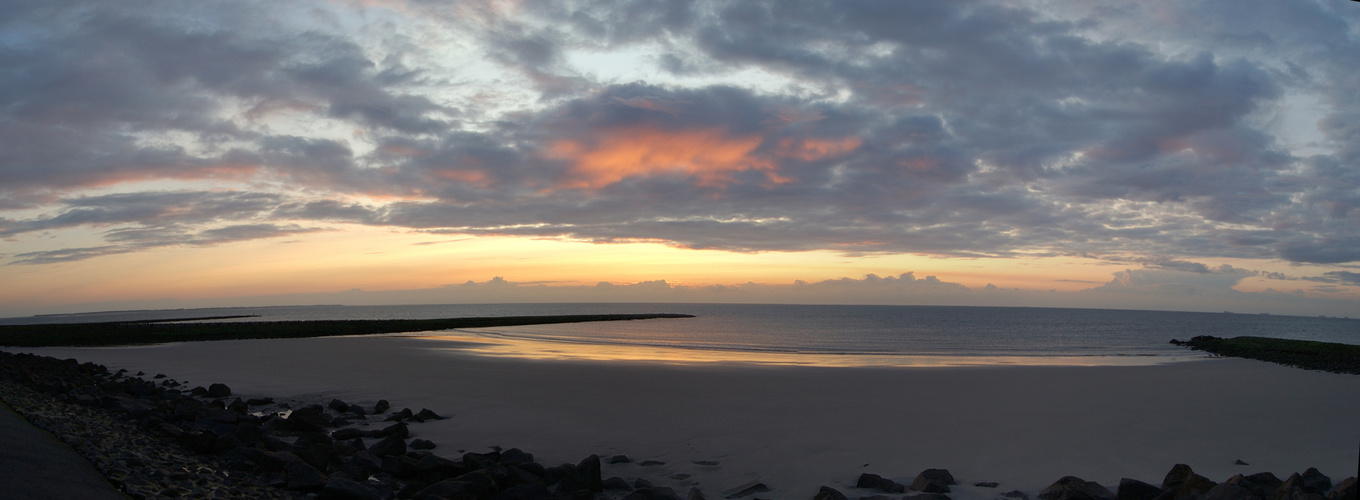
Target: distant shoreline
{"x": 122, "y": 333}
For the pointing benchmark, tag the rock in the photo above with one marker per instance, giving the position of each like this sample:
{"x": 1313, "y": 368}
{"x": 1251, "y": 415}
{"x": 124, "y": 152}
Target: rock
{"x": 707, "y": 463}
{"x": 584, "y": 477}
{"x": 695, "y": 494}
{"x": 421, "y": 444}
{"x": 307, "y": 419}
{"x": 455, "y": 488}
{"x": 531, "y": 491}
{"x": 1345, "y": 490}
{"x": 1133, "y": 489}
{"x": 1015, "y": 494}
{"x": 927, "y": 496}
{"x": 652, "y": 493}
{"x": 515, "y": 456}
{"x": 388, "y": 446}
{"x": 239, "y": 406}
{"x": 399, "y": 429}
{"x": 357, "y": 410}
{"x": 1261, "y": 485}
{"x": 620, "y": 459}
{"x": 1228, "y": 491}
{"x": 338, "y": 405}
{"x": 1075, "y": 488}
{"x": 259, "y": 401}
{"x": 651, "y": 463}
{"x": 347, "y": 434}
{"x": 314, "y": 448}
{"x": 616, "y": 483}
{"x": 218, "y": 391}
{"x": 933, "y": 481}
{"x": 1240, "y": 462}
{"x": 404, "y": 414}
{"x": 877, "y": 482}
{"x": 382, "y": 406}
{"x": 301, "y": 476}
{"x": 987, "y": 484}
{"x": 746, "y": 489}
{"x": 1182, "y": 482}
{"x": 1316, "y": 482}
{"x": 426, "y": 414}
{"x": 342, "y": 488}
{"x": 829, "y": 493}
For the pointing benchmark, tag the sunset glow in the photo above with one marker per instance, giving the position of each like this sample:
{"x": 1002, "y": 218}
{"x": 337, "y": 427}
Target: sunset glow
{"x": 1052, "y": 154}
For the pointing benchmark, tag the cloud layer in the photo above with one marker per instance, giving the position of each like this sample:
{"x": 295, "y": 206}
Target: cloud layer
{"x": 1159, "y": 133}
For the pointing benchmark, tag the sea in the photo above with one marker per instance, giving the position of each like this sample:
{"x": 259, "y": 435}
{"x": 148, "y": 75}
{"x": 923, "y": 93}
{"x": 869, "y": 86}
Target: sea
{"x": 832, "y": 335}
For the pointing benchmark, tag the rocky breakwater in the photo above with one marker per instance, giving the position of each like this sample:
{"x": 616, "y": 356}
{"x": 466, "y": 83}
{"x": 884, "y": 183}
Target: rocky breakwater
{"x": 1181, "y": 483}
{"x": 154, "y": 439}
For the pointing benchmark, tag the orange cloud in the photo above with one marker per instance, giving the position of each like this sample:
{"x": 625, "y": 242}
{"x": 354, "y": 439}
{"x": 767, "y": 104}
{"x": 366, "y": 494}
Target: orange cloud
{"x": 473, "y": 177}
{"x": 709, "y": 156}
{"x": 816, "y": 149}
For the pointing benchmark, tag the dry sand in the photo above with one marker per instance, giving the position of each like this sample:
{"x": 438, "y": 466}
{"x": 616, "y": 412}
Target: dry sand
{"x": 796, "y": 427}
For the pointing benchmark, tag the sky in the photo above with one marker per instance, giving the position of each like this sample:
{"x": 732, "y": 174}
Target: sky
{"x": 1183, "y": 155}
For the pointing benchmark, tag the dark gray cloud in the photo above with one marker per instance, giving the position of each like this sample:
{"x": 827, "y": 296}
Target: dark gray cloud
{"x": 948, "y": 128}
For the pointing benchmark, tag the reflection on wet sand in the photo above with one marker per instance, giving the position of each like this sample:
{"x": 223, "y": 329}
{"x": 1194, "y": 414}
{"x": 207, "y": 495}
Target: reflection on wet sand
{"x": 493, "y": 344}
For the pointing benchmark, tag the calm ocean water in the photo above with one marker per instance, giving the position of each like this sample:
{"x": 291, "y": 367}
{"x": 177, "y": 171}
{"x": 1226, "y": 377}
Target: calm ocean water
{"x": 825, "y": 332}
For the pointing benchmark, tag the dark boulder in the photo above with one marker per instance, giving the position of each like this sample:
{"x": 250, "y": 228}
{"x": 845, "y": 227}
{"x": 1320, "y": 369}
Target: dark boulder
{"x": 239, "y": 406}
{"x": 342, "y": 488}
{"x": 338, "y": 405}
{"x": 1133, "y": 489}
{"x": 746, "y": 490}
{"x": 426, "y": 414}
{"x": 515, "y": 456}
{"x": 584, "y": 476}
{"x": 1345, "y": 490}
{"x": 388, "y": 446}
{"x": 620, "y": 459}
{"x": 315, "y": 448}
{"x": 218, "y": 391}
{"x": 1075, "y": 488}
{"x": 695, "y": 494}
{"x": 933, "y": 481}
{"x": 456, "y": 488}
{"x": 1182, "y": 483}
{"x": 531, "y": 491}
{"x": 829, "y": 493}
{"x": 616, "y": 483}
{"x": 1228, "y": 491}
{"x": 308, "y": 419}
{"x": 877, "y": 482}
{"x": 422, "y": 444}
{"x": 301, "y": 476}
{"x": 382, "y": 406}
{"x": 399, "y": 429}
{"x": 1261, "y": 485}
{"x": 927, "y": 496}
{"x": 653, "y": 493}
{"x": 1316, "y": 482}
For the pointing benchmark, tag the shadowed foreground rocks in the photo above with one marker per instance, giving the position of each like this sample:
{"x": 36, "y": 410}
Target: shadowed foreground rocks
{"x": 156, "y": 439}
{"x": 1181, "y": 483}
{"x": 152, "y": 439}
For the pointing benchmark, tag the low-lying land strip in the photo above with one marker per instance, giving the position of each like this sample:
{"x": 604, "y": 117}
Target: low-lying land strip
{"x": 1326, "y": 356}
{"x": 161, "y": 331}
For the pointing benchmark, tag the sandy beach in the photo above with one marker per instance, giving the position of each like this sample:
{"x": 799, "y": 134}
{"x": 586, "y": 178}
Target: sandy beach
{"x": 796, "y": 428}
